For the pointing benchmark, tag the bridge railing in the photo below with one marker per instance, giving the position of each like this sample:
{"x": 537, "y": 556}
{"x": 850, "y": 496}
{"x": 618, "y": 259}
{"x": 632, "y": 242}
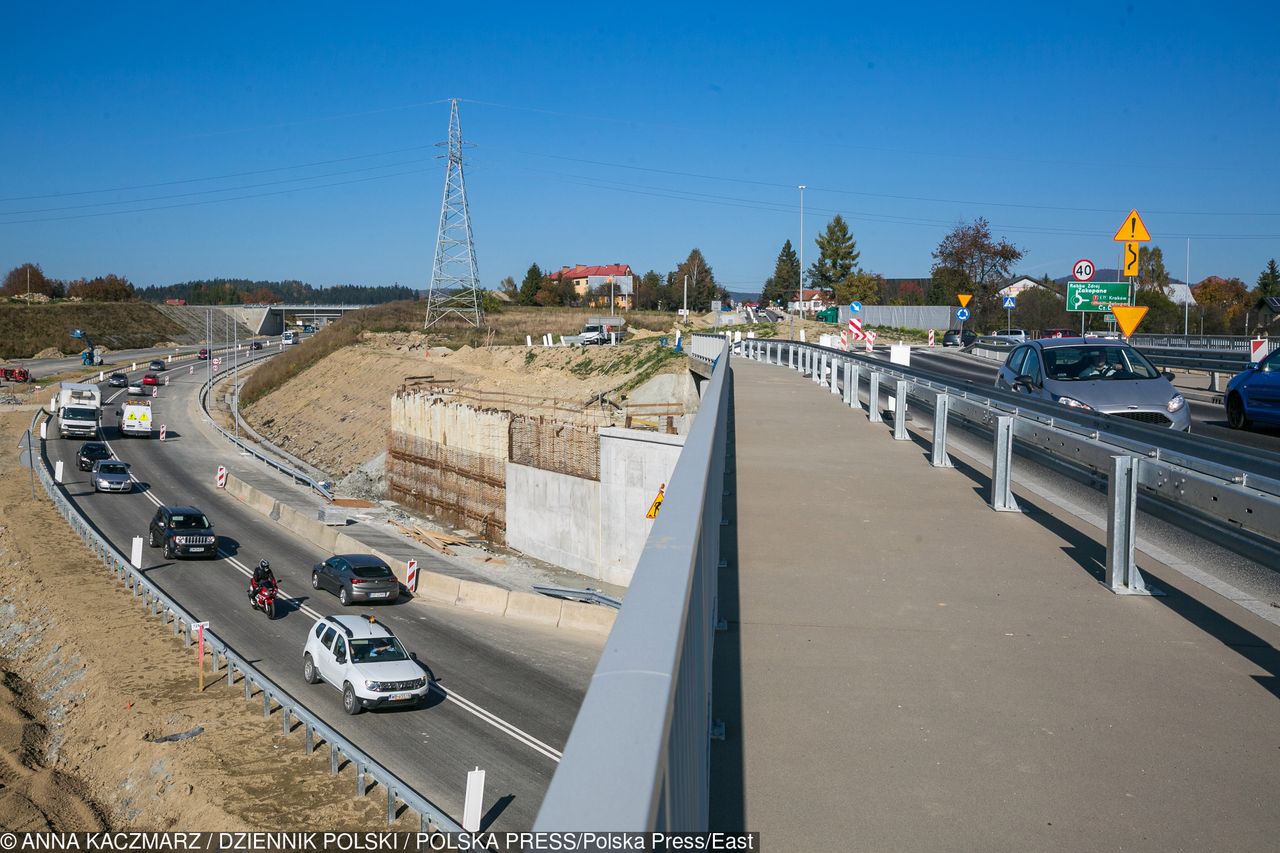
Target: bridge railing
{"x": 638, "y": 758}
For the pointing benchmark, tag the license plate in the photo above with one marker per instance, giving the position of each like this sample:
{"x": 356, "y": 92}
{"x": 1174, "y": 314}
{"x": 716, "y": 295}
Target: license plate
{"x": 379, "y": 594}
{"x": 196, "y": 550}
{"x": 401, "y": 697}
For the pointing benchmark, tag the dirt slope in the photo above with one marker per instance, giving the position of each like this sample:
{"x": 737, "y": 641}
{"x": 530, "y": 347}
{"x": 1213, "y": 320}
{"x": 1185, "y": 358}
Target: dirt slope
{"x": 334, "y": 414}
{"x": 76, "y": 714}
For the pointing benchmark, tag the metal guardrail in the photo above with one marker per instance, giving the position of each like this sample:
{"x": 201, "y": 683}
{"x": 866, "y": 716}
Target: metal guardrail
{"x": 1231, "y": 488}
{"x": 638, "y": 758}
{"x": 1220, "y": 343}
{"x": 431, "y": 817}
{"x": 298, "y": 476}
{"x": 1184, "y": 358}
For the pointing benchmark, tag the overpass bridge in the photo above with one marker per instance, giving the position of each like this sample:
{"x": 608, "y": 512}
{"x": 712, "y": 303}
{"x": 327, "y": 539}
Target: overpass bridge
{"x": 975, "y": 623}
{"x": 273, "y": 319}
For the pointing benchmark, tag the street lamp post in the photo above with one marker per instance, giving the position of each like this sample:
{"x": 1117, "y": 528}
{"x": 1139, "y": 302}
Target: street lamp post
{"x": 800, "y": 295}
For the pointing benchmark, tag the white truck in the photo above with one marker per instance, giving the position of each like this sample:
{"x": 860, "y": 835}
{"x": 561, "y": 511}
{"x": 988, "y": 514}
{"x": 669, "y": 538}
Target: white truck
{"x": 601, "y": 330}
{"x": 79, "y": 409}
{"x": 135, "y": 419}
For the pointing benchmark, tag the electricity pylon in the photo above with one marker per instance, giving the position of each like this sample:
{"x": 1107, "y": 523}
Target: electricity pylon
{"x": 455, "y": 283}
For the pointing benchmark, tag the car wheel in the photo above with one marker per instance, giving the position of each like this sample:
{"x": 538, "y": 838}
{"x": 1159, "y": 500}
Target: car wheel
{"x": 168, "y": 551}
{"x": 309, "y": 673}
{"x": 350, "y": 703}
{"x": 344, "y": 597}
{"x": 315, "y": 580}
{"x": 1236, "y": 418}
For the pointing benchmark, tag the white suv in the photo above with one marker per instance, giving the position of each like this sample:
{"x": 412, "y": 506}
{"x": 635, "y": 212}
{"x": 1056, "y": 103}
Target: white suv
{"x": 362, "y": 658}
{"x": 1015, "y": 335}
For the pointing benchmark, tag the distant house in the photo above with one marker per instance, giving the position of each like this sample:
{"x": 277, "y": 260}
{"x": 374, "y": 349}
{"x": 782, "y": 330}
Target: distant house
{"x": 1180, "y": 293}
{"x": 808, "y": 301}
{"x": 1018, "y": 285}
{"x": 587, "y": 278}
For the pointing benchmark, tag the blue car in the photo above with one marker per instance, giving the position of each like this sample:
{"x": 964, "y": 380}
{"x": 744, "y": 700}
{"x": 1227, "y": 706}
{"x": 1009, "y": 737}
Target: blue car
{"x": 1253, "y": 397}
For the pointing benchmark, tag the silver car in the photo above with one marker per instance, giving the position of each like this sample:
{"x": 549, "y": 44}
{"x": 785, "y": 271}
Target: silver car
{"x": 1096, "y": 374}
{"x": 111, "y": 475}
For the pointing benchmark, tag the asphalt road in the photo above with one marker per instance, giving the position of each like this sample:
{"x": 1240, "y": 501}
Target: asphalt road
{"x": 508, "y": 693}
{"x": 41, "y": 367}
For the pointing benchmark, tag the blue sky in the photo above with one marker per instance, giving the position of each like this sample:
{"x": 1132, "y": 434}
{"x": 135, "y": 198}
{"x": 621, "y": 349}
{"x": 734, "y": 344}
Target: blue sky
{"x": 297, "y": 141}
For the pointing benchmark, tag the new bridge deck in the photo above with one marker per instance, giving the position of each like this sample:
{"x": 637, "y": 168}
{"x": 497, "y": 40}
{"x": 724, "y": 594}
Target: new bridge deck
{"x": 906, "y": 669}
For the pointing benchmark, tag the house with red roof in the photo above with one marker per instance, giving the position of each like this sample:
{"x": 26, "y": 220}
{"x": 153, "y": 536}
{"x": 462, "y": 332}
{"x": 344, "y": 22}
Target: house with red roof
{"x": 586, "y": 278}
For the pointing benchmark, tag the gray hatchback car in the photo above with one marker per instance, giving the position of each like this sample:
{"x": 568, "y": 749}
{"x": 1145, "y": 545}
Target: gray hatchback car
{"x": 1096, "y": 374}
{"x": 356, "y": 577}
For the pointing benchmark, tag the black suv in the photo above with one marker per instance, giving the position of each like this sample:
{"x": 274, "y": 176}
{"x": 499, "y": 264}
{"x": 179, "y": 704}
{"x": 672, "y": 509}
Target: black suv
{"x": 183, "y": 531}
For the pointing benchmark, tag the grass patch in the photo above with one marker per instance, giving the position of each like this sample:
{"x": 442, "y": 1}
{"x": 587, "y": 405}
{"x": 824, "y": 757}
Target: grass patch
{"x": 27, "y": 329}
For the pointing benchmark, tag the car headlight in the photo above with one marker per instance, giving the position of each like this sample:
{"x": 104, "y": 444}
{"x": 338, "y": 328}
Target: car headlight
{"x": 1074, "y": 403}
{"x": 103, "y": 483}
{"x": 373, "y": 685}
{"x": 1176, "y": 403}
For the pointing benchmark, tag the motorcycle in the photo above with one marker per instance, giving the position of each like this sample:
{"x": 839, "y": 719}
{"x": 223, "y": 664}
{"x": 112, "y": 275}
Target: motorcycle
{"x": 264, "y": 599}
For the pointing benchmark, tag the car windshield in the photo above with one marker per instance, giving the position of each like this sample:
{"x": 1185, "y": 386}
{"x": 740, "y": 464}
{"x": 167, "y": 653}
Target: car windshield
{"x": 95, "y": 451}
{"x": 113, "y": 468}
{"x": 1092, "y": 363}
{"x": 377, "y": 650}
{"x": 76, "y": 413}
{"x": 190, "y": 522}
{"x": 371, "y": 572}
{"x": 118, "y": 376}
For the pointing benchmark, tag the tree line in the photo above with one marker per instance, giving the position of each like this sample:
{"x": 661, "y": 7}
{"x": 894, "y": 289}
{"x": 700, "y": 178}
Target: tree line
{"x": 239, "y": 291}
{"x": 653, "y": 291}
{"x": 969, "y": 259}
{"x": 29, "y": 278}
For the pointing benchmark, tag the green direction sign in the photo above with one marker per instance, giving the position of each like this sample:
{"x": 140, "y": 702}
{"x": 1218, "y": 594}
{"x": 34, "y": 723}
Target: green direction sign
{"x": 1097, "y": 296}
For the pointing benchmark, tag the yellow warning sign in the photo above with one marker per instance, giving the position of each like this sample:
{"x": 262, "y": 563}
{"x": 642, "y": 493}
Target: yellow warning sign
{"x": 1132, "y": 229}
{"x": 964, "y": 299}
{"x": 1131, "y": 258}
{"x": 1128, "y": 317}
{"x": 657, "y": 502}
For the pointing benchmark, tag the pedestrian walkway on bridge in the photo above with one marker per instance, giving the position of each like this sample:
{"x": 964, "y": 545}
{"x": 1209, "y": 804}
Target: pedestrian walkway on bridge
{"x": 906, "y": 669}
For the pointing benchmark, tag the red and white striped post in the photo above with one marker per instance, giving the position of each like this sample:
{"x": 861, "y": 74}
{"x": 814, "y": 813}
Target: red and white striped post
{"x": 411, "y": 576}
{"x": 222, "y": 477}
{"x": 931, "y": 337}
{"x": 163, "y": 429}
{"x": 870, "y": 338}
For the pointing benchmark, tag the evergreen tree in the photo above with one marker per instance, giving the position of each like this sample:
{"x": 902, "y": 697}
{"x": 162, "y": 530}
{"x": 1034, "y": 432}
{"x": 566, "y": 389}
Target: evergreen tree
{"x": 837, "y": 256}
{"x": 702, "y": 283}
{"x": 1151, "y": 272}
{"x": 531, "y": 285}
{"x": 1268, "y": 284}
{"x": 785, "y": 281}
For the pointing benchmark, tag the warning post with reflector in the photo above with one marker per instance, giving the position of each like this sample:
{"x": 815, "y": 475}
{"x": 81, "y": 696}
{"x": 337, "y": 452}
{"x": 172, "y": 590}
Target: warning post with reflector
{"x": 411, "y": 576}
{"x": 222, "y": 477}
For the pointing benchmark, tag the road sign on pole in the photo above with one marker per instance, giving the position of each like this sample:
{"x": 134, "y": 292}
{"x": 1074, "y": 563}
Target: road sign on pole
{"x": 964, "y": 299}
{"x": 1096, "y": 296}
{"x": 855, "y": 307}
{"x": 1131, "y": 257}
{"x": 962, "y": 314}
{"x": 1128, "y": 317}
{"x": 1132, "y": 229}
{"x": 1009, "y": 303}
{"x": 1083, "y": 270}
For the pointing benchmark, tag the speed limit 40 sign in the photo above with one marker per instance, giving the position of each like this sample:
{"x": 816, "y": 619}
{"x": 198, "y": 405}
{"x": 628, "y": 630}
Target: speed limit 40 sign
{"x": 1083, "y": 270}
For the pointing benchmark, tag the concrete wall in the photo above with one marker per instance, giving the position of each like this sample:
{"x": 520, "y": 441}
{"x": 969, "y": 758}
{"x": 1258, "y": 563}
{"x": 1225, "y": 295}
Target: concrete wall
{"x": 595, "y": 528}
{"x": 633, "y": 465}
{"x": 554, "y": 517}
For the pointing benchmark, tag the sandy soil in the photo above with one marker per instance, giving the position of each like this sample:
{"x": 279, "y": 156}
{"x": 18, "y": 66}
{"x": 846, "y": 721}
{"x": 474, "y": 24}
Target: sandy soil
{"x": 76, "y": 714}
{"x": 334, "y": 414}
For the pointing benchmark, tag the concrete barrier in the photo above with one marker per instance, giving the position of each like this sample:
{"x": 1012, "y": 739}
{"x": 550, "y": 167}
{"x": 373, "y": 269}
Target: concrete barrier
{"x": 432, "y": 586}
{"x": 482, "y": 597}
{"x": 586, "y": 617}
{"x": 534, "y": 608}
{"x": 437, "y": 587}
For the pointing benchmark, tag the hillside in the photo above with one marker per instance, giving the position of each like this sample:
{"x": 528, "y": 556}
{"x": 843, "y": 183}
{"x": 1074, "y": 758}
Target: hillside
{"x": 28, "y": 329}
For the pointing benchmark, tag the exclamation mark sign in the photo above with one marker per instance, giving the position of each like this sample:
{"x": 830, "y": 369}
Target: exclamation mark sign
{"x": 1133, "y": 226}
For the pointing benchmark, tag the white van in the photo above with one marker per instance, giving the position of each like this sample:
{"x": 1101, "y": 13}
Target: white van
{"x": 290, "y": 337}
{"x": 135, "y": 418}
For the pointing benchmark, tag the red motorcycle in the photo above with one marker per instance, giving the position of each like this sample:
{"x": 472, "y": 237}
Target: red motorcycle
{"x": 263, "y": 598}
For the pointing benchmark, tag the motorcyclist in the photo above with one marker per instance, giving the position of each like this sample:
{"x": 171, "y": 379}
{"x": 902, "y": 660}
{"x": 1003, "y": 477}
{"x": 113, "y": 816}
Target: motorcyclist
{"x": 262, "y": 576}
